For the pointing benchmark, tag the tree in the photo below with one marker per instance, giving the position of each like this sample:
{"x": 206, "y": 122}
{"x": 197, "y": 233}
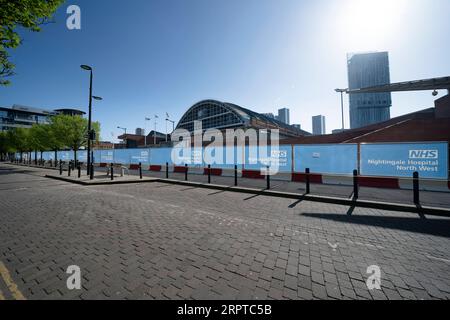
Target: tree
{"x": 5, "y": 145}
{"x": 19, "y": 140}
{"x": 27, "y": 14}
{"x": 55, "y": 140}
{"x": 73, "y": 131}
{"x": 39, "y": 136}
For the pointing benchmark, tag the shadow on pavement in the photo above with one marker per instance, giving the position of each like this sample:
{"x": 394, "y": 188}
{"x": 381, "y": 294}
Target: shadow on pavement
{"x": 435, "y": 227}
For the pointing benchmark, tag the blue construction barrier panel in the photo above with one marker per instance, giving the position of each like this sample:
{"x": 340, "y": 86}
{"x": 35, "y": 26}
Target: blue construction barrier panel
{"x": 339, "y": 159}
{"x": 403, "y": 159}
{"x": 159, "y": 156}
{"x": 279, "y": 159}
{"x": 105, "y": 156}
{"x": 65, "y": 155}
{"x": 222, "y": 158}
{"x": 82, "y": 155}
{"x": 193, "y": 157}
{"x": 122, "y": 156}
{"x": 48, "y": 155}
{"x": 140, "y": 156}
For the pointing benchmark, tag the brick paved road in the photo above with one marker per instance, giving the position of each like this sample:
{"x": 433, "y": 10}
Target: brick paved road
{"x": 158, "y": 241}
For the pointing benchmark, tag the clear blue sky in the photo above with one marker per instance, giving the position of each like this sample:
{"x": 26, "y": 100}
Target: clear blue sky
{"x": 152, "y": 57}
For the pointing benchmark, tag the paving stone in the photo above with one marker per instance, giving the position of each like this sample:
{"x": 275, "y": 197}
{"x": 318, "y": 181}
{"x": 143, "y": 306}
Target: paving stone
{"x": 159, "y": 241}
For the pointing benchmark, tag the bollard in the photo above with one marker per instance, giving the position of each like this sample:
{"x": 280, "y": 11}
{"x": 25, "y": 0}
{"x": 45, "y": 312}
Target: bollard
{"x": 209, "y": 173}
{"x": 140, "y": 170}
{"x": 111, "y": 171}
{"x": 79, "y": 171}
{"x": 235, "y": 175}
{"x": 308, "y": 189}
{"x": 416, "y": 188}
{"x": 91, "y": 172}
{"x": 69, "y": 168}
{"x": 186, "y": 172}
{"x": 355, "y": 185}
{"x": 268, "y": 177}
{"x": 167, "y": 170}
{"x": 60, "y": 167}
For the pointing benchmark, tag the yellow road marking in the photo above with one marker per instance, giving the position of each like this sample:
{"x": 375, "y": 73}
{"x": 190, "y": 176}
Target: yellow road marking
{"x": 4, "y": 273}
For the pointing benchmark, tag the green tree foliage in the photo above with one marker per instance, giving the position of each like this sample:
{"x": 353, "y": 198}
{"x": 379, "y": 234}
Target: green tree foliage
{"x": 63, "y": 132}
{"x": 27, "y": 14}
{"x": 73, "y": 131}
{"x": 39, "y": 135}
{"x": 19, "y": 140}
{"x": 5, "y": 145}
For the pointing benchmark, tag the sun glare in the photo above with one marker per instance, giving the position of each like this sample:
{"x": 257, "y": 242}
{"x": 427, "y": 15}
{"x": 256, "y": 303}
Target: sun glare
{"x": 367, "y": 23}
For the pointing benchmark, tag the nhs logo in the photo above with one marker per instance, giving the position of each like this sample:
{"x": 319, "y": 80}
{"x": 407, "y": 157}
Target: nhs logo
{"x": 423, "y": 154}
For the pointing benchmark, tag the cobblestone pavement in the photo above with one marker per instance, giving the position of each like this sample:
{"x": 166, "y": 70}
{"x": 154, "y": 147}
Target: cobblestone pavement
{"x": 160, "y": 241}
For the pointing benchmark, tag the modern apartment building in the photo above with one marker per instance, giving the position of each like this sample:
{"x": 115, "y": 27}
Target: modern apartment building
{"x": 368, "y": 70}
{"x": 19, "y": 116}
{"x": 318, "y": 124}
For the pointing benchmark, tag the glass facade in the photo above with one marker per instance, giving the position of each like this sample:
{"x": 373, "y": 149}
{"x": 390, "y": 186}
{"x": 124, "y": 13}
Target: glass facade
{"x": 318, "y": 123}
{"x": 213, "y": 114}
{"x": 224, "y": 115}
{"x": 368, "y": 70}
{"x": 11, "y": 118}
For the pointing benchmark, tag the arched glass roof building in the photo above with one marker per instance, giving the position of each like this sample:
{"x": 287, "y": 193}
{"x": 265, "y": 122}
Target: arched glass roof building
{"x": 223, "y": 115}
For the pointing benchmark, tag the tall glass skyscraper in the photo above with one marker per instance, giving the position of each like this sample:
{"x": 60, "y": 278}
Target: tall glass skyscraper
{"x": 318, "y": 124}
{"x": 368, "y": 70}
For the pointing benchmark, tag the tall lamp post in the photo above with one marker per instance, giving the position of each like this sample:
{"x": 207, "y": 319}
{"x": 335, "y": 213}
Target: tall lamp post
{"x": 154, "y": 132}
{"x": 90, "y": 132}
{"x": 146, "y": 119}
{"x": 125, "y": 131}
{"x": 173, "y": 125}
{"x": 342, "y": 91}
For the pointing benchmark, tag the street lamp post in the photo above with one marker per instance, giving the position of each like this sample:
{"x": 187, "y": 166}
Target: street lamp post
{"x": 173, "y": 126}
{"x": 88, "y": 68}
{"x": 124, "y": 129}
{"x": 154, "y": 132}
{"x": 341, "y": 91}
{"x": 145, "y": 139}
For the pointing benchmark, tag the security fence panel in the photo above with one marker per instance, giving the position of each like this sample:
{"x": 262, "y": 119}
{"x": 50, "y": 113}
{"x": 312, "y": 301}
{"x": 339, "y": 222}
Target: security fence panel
{"x": 328, "y": 159}
{"x": 279, "y": 159}
{"x": 82, "y": 156}
{"x": 403, "y": 159}
{"x": 65, "y": 155}
{"x": 193, "y": 157}
{"x": 105, "y": 156}
{"x": 223, "y": 158}
{"x": 139, "y": 156}
{"x": 49, "y": 155}
{"x": 251, "y": 159}
{"x": 159, "y": 156}
{"x": 122, "y": 156}
{"x": 96, "y": 156}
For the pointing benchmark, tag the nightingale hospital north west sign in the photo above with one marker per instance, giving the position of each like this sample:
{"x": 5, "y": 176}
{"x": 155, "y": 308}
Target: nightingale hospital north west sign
{"x": 430, "y": 160}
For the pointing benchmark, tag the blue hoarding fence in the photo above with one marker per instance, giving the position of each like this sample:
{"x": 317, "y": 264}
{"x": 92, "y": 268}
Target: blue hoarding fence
{"x": 398, "y": 160}
{"x": 430, "y": 160}
{"x": 326, "y": 159}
